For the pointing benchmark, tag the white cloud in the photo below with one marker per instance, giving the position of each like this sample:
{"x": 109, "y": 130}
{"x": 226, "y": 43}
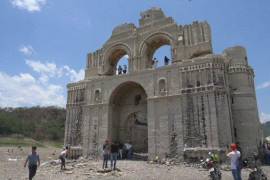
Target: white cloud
{"x": 29, "y": 5}
{"x": 50, "y": 70}
{"x": 264, "y": 85}
{"x": 25, "y": 90}
{"x": 43, "y": 68}
{"x": 264, "y": 117}
{"x": 73, "y": 75}
{"x": 27, "y": 50}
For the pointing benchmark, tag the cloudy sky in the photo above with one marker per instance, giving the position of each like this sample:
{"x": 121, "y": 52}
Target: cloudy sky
{"x": 43, "y": 43}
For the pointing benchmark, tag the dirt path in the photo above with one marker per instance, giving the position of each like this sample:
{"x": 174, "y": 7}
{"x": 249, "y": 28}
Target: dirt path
{"x": 11, "y": 167}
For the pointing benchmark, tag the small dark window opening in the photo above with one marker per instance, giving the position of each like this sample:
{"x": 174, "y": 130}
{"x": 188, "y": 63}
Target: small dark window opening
{"x": 190, "y": 86}
{"x": 220, "y": 80}
{"x": 97, "y": 96}
{"x": 235, "y": 133}
{"x": 137, "y": 99}
{"x": 232, "y": 100}
{"x": 198, "y": 83}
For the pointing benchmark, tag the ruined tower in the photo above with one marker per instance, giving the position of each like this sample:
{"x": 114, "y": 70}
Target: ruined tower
{"x": 201, "y": 100}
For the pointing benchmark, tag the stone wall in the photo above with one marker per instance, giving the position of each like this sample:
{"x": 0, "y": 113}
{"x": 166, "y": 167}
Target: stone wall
{"x": 201, "y": 100}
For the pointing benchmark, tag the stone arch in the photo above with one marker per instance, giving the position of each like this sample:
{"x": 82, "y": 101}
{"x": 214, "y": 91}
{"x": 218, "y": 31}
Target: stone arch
{"x": 119, "y": 86}
{"x": 128, "y": 115}
{"x": 112, "y": 55}
{"x": 151, "y": 43}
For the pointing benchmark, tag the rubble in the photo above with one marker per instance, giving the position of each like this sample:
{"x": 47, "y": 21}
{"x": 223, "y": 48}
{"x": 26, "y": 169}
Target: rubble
{"x": 11, "y": 159}
{"x": 85, "y": 169}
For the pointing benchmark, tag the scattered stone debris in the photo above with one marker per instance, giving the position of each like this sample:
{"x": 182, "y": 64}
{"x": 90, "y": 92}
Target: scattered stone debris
{"x": 68, "y": 172}
{"x": 86, "y": 168}
{"x": 11, "y": 159}
{"x": 82, "y": 166}
{"x": 165, "y": 161}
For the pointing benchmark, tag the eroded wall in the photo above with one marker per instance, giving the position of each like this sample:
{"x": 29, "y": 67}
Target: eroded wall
{"x": 201, "y": 100}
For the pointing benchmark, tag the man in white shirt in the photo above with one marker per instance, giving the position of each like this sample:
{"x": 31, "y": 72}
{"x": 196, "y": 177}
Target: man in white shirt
{"x": 235, "y": 155}
{"x": 128, "y": 148}
{"x": 62, "y": 157}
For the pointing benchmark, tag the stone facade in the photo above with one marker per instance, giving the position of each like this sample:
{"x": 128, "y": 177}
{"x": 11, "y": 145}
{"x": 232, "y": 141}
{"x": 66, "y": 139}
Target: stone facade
{"x": 201, "y": 100}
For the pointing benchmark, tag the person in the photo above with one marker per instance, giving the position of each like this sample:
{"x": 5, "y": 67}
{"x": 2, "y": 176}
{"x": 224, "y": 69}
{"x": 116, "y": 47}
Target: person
{"x": 119, "y": 69}
{"x": 235, "y": 155}
{"x": 238, "y": 147}
{"x": 106, "y": 154}
{"x": 128, "y": 148}
{"x": 214, "y": 158}
{"x": 33, "y": 162}
{"x": 166, "y": 60}
{"x": 154, "y": 63}
{"x": 62, "y": 157}
{"x": 266, "y": 152}
{"x": 125, "y": 69}
{"x": 114, "y": 154}
{"x": 120, "y": 150}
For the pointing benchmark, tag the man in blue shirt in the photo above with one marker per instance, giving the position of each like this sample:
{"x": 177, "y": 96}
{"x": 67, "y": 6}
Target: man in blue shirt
{"x": 33, "y": 162}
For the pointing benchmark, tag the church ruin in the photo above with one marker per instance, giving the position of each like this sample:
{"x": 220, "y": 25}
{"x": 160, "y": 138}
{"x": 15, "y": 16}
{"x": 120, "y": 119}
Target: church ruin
{"x": 200, "y": 100}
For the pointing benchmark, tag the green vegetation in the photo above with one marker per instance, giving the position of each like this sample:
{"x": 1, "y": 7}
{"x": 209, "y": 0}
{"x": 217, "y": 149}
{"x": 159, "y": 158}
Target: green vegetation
{"x": 13, "y": 141}
{"x": 39, "y": 123}
{"x": 266, "y": 129}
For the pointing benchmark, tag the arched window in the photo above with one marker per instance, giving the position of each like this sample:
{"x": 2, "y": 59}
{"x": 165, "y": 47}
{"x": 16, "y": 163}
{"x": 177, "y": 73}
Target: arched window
{"x": 157, "y": 50}
{"x": 116, "y": 60}
{"x": 162, "y": 56}
{"x": 122, "y": 65}
{"x": 97, "y": 95}
{"x": 162, "y": 86}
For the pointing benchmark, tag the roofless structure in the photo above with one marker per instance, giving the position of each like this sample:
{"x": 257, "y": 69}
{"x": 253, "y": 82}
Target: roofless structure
{"x": 200, "y": 100}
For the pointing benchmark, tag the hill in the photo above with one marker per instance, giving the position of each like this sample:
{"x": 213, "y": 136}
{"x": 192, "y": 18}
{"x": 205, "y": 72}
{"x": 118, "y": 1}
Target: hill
{"x": 266, "y": 129}
{"x": 40, "y": 123}
{"x": 44, "y": 123}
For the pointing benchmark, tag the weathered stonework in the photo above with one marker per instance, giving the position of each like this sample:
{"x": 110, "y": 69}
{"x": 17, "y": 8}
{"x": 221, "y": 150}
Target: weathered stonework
{"x": 200, "y": 100}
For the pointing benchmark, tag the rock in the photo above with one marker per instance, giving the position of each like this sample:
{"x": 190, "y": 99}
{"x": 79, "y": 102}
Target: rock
{"x": 55, "y": 162}
{"x": 11, "y": 159}
{"x": 104, "y": 171}
{"x": 44, "y": 164}
{"x": 87, "y": 174}
{"x": 81, "y": 165}
{"x": 68, "y": 172}
{"x": 163, "y": 161}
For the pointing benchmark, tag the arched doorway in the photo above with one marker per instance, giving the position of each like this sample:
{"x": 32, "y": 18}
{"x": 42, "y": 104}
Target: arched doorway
{"x": 122, "y": 65}
{"x": 162, "y": 56}
{"x": 128, "y": 116}
{"x": 116, "y": 56}
{"x": 151, "y": 44}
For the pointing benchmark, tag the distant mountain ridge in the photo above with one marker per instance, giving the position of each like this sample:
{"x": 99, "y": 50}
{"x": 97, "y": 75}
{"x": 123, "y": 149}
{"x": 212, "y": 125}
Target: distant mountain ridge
{"x": 45, "y": 123}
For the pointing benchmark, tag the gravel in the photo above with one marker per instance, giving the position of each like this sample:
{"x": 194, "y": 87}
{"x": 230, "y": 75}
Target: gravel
{"x": 11, "y": 168}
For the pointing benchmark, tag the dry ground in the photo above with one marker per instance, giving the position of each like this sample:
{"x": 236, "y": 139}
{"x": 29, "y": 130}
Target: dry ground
{"x": 11, "y": 167}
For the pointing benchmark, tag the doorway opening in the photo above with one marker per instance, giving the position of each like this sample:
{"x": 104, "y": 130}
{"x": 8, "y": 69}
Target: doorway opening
{"x": 128, "y": 116}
